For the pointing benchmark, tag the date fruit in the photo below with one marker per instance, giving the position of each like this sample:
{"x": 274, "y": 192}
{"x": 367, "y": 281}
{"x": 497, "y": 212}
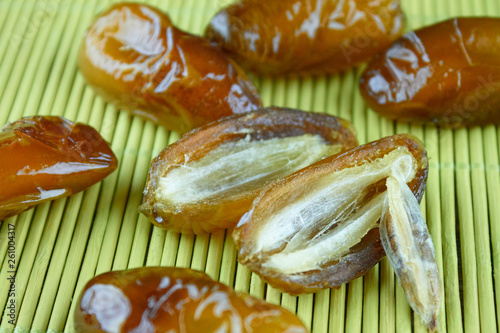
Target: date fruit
{"x": 208, "y": 179}
{"x": 305, "y": 36}
{"x": 319, "y": 227}
{"x": 45, "y": 158}
{"x": 447, "y": 73}
{"x": 133, "y": 56}
{"x": 168, "y": 299}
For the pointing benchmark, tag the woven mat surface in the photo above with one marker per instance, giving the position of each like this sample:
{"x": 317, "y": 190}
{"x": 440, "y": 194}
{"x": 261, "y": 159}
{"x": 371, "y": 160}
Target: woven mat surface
{"x": 60, "y": 245}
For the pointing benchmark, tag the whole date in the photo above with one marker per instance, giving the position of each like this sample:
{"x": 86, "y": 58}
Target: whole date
{"x": 170, "y": 299}
{"x": 45, "y": 158}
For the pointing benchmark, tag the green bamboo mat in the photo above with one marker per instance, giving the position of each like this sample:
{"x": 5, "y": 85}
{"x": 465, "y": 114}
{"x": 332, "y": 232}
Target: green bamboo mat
{"x": 62, "y": 244}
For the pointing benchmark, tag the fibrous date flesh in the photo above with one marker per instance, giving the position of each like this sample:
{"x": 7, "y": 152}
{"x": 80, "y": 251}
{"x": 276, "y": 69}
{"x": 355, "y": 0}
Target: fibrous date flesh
{"x": 305, "y": 36}
{"x": 208, "y": 179}
{"x": 134, "y": 57}
{"x": 447, "y": 73}
{"x": 167, "y": 299}
{"x": 46, "y": 158}
{"x": 319, "y": 227}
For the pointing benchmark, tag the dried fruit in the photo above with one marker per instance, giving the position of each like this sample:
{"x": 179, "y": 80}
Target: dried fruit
{"x": 319, "y": 227}
{"x": 134, "y": 57}
{"x": 447, "y": 73}
{"x": 46, "y": 158}
{"x": 208, "y": 179}
{"x": 168, "y": 299}
{"x": 409, "y": 247}
{"x": 304, "y": 36}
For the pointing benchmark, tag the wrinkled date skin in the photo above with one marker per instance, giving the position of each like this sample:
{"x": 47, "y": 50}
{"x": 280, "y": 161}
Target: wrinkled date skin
{"x": 46, "y": 158}
{"x": 168, "y": 299}
{"x": 208, "y": 179}
{"x": 318, "y": 228}
{"x": 447, "y": 73}
{"x": 133, "y": 56}
{"x": 276, "y": 37}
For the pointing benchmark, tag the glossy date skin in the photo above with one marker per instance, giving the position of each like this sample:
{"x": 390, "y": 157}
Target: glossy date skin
{"x": 168, "y": 299}
{"x": 447, "y": 74}
{"x": 134, "y": 57}
{"x": 208, "y": 179}
{"x": 319, "y": 227}
{"x": 276, "y": 37}
{"x": 45, "y": 158}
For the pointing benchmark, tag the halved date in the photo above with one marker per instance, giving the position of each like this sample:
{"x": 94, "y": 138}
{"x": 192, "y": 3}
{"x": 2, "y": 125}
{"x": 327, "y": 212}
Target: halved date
{"x": 305, "y": 36}
{"x": 133, "y": 56}
{"x": 168, "y": 299}
{"x": 319, "y": 227}
{"x": 46, "y": 158}
{"x": 208, "y": 179}
{"x": 447, "y": 73}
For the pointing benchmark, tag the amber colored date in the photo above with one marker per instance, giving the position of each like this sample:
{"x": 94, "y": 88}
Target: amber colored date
{"x": 208, "y": 179}
{"x": 133, "y": 56}
{"x": 46, "y": 158}
{"x": 305, "y": 36}
{"x": 319, "y": 227}
{"x": 447, "y": 73}
{"x": 168, "y": 299}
